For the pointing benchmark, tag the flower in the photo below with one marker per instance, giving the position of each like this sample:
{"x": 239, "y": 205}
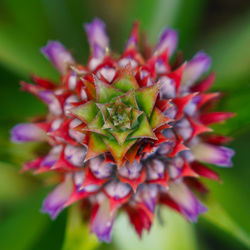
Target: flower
{"x": 126, "y": 133}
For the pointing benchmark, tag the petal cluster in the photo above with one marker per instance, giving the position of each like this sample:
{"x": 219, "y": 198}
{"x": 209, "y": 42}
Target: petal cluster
{"x": 126, "y": 133}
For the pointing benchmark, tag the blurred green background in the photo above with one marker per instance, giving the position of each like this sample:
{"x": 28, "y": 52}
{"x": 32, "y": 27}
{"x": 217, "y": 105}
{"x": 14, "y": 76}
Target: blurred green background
{"x": 219, "y": 27}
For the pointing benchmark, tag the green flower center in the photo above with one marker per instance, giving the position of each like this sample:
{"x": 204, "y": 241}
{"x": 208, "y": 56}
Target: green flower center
{"x": 120, "y": 116}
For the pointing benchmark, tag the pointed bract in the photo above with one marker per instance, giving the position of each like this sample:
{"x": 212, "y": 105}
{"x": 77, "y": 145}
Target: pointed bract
{"x": 58, "y": 55}
{"x": 98, "y": 39}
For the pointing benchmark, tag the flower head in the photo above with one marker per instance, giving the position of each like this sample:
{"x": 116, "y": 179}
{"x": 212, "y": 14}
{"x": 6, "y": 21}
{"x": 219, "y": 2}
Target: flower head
{"x": 126, "y": 133}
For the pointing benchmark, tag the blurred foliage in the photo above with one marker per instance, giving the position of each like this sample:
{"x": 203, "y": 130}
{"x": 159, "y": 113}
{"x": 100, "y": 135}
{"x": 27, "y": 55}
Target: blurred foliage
{"x": 77, "y": 235}
{"x": 221, "y": 28}
{"x": 165, "y": 233}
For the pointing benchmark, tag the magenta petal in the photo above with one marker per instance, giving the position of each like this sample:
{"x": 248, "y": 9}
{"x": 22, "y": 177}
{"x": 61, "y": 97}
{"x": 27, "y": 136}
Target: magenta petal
{"x": 47, "y": 96}
{"x": 131, "y": 171}
{"x": 132, "y": 42}
{"x": 99, "y": 168}
{"x": 98, "y": 39}
{"x": 103, "y": 221}
{"x": 117, "y": 189}
{"x": 168, "y": 40}
{"x": 147, "y": 194}
{"x": 27, "y": 132}
{"x": 194, "y": 69}
{"x": 98, "y": 51}
{"x": 217, "y": 155}
{"x": 168, "y": 89}
{"x": 190, "y": 206}
{"x": 52, "y": 157}
{"x": 58, "y": 55}
{"x": 54, "y": 203}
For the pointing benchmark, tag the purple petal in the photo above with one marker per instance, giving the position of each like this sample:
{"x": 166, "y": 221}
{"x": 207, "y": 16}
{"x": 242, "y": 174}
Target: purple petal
{"x": 58, "y": 55}
{"x": 47, "y": 96}
{"x": 168, "y": 89}
{"x": 98, "y": 39}
{"x": 103, "y": 221}
{"x": 133, "y": 39}
{"x": 194, "y": 69}
{"x": 168, "y": 40}
{"x": 117, "y": 189}
{"x": 99, "y": 168}
{"x": 184, "y": 128}
{"x": 190, "y": 206}
{"x": 217, "y": 155}
{"x": 27, "y": 132}
{"x": 78, "y": 181}
{"x": 98, "y": 51}
{"x": 52, "y": 157}
{"x": 54, "y": 203}
{"x": 155, "y": 169}
{"x": 131, "y": 171}
{"x": 132, "y": 42}
{"x": 75, "y": 155}
{"x": 147, "y": 194}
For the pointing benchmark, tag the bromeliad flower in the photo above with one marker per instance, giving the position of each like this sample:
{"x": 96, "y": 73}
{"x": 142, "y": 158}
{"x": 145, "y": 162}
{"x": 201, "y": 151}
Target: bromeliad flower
{"x": 121, "y": 115}
{"x": 126, "y": 133}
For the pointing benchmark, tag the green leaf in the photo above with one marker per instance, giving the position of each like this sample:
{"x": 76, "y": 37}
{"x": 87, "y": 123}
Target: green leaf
{"x": 86, "y": 112}
{"x": 96, "y": 146}
{"x": 126, "y": 83}
{"x": 23, "y": 59}
{"x": 218, "y": 216}
{"x": 129, "y": 99}
{"x": 23, "y": 33}
{"x": 158, "y": 14}
{"x": 21, "y": 20}
{"x": 158, "y": 119}
{"x": 134, "y": 116}
{"x": 67, "y": 25}
{"x": 144, "y": 130}
{"x": 49, "y": 240}
{"x": 233, "y": 194}
{"x": 229, "y": 50}
{"x": 146, "y": 97}
{"x": 120, "y": 135}
{"x": 96, "y": 125}
{"x": 13, "y": 185}
{"x": 185, "y": 19}
{"x": 25, "y": 224}
{"x": 236, "y": 101}
{"x": 77, "y": 235}
{"x": 104, "y": 92}
{"x": 17, "y": 154}
{"x": 118, "y": 151}
{"x": 175, "y": 233}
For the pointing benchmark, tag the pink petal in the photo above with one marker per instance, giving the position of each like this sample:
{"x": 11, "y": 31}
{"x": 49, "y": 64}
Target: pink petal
{"x": 54, "y": 203}
{"x": 27, "y": 132}
{"x": 131, "y": 171}
{"x": 190, "y": 206}
{"x": 100, "y": 168}
{"x": 98, "y": 39}
{"x": 168, "y": 40}
{"x": 217, "y": 155}
{"x": 103, "y": 221}
{"x": 195, "y": 68}
{"x": 58, "y": 55}
{"x": 147, "y": 195}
